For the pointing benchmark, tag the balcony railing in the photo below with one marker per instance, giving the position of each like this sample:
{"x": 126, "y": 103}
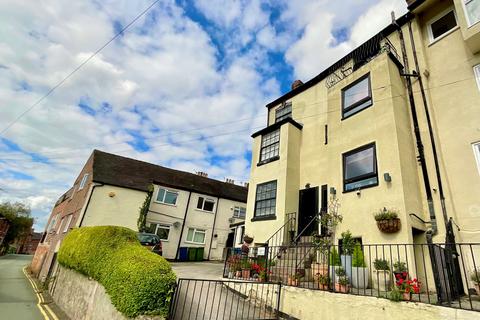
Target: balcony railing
{"x": 439, "y": 274}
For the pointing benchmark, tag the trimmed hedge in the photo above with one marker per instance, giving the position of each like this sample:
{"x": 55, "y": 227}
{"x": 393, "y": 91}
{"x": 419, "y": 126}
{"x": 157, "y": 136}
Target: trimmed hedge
{"x": 137, "y": 280}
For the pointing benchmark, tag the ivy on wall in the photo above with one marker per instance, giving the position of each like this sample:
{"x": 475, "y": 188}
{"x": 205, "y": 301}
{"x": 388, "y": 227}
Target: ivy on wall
{"x": 142, "y": 217}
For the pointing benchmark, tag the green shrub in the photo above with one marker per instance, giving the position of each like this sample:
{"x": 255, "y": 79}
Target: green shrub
{"x": 137, "y": 280}
{"x": 381, "y": 264}
{"x": 386, "y": 214}
{"x": 358, "y": 259}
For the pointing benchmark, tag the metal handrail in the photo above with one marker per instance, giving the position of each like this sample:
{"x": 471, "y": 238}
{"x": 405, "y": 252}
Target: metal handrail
{"x": 291, "y": 217}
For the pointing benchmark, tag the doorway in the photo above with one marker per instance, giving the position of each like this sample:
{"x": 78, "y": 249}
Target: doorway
{"x": 307, "y": 210}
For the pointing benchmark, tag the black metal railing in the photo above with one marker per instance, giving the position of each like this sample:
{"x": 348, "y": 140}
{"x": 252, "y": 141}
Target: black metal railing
{"x": 441, "y": 274}
{"x": 219, "y": 299}
{"x": 286, "y": 233}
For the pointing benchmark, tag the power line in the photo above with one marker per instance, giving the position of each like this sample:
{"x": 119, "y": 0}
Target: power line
{"x": 49, "y": 92}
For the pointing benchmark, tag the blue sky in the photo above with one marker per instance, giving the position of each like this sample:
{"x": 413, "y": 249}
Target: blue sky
{"x": 184, "y": 87}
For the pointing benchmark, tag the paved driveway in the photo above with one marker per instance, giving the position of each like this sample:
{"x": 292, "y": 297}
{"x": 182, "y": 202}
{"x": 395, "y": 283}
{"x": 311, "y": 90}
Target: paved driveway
{"x": 198, "y": 270}
{"x": 17, "y": 299}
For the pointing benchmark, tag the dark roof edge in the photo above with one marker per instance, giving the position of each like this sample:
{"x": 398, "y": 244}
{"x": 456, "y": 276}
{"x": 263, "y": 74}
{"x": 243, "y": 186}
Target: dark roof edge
{"x": 415, "y": 5}
{"x": 277, "y": 125}
{"x": 202, "y": 192}
{"x": 310, "y": 83}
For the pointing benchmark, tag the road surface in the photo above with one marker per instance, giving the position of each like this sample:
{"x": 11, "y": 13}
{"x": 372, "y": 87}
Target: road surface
{"x": 17, "y": 298}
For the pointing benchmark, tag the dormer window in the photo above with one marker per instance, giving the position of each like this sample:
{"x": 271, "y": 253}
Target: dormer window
{"x": 285, "y": 111}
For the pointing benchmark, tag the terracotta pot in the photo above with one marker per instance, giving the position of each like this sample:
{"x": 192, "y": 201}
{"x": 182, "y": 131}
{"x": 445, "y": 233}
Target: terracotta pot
{"x": 238, "y": 274}
{"x": 342, "y": 288}
{"x": 292, "y": 282}
{"x": 407, "y": 296}
{"x": 389, "y": 226}
{"x": 246, "y": 274}
{"x": 323, "y": 287}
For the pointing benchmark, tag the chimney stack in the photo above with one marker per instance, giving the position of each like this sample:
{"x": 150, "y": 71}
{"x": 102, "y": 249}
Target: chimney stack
{"x": 202, "y": 174}
{"x": 297, "y": 83}
{"x": 228, "y": 180}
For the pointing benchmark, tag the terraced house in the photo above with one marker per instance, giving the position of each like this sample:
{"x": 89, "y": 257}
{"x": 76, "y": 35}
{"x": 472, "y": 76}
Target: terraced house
{"x": 393, "y": 126}
{"x": 187, "y": 211}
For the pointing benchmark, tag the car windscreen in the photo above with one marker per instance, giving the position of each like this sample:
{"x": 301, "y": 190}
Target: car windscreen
{"x": 147, "y": 238}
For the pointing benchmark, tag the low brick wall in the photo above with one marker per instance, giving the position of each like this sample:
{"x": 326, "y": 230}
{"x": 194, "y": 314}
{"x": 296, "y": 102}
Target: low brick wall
{"x": 38, "y": 259}
{"x": 84, "y": 299}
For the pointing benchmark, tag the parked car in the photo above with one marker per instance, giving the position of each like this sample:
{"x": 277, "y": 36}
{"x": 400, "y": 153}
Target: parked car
{"x": 151, "y": 241}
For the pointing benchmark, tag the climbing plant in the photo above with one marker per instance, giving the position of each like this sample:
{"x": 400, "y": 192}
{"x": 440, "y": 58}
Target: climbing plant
{"x": 142, "y": 217}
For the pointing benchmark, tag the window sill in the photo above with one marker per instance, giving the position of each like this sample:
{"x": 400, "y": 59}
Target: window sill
{"x": 433, "y": 41}
{"x": 364, "y": 187}
{"x": 352, "y": 114}
{"x": 205, "y": 210}
{"x": 264, "y": 218}
{"x": 197, "y": 243}
{"x": 261, "y": 163}
{"x": 166, "y": 204}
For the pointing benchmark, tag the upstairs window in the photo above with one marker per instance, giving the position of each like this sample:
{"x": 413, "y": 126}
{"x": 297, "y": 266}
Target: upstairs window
{"x": 167, "y": 196}
{"x": 476, "y": 71}
{"x": 442, "y": 25}
{"x": 360, "y": 168}
{"x": 285, "y": 111}
{"x": 472, "y": 11}
{"x": 205, "y": 204}
{"x": 83, "y": 182}
{"x": 356, "y": 96}
{"x": 476, "y": 152}
{"x": 239, "y": 212}
{"x": 270, "y": 145}
{"x": 266, "y": 199}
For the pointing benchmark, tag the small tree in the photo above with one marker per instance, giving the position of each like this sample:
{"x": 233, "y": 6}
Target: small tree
{"x": 142, "y": 217}
{"x": 18, "y": 215}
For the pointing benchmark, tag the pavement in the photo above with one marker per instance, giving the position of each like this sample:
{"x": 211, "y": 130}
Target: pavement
{"x": 17, "y": 299}
{"x": 198, "y": 270}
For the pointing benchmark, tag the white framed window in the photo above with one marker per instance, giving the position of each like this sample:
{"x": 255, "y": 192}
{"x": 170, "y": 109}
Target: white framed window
{"x": 476, "y": 152}
{"x": 476, "y": 71}
{"x": 472, "y": 11}
{"x": 442, "y": 25}
{"x": 83, "y": 182}
{"x": 239, "y": 212}
{"x": 67, "y": 224}
{"x": 53, "y": 222}
{"x": 195, "y": 235}
{"x": 285, "y": 111}
{"x": 161, "y": 230}
{"x": 270, "y": 145}
{"x": 166, "y": 196}
{"x": 241, "y": 232}
{"x": 205, "y": 204}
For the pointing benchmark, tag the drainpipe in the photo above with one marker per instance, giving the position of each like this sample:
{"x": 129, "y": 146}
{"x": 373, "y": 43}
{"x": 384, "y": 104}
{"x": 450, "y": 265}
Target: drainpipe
{"x": 183, "y": 225}
{"x": 213, "y": 228}
{"x": 432, "y": 138}
{"x": 416, "y": 129}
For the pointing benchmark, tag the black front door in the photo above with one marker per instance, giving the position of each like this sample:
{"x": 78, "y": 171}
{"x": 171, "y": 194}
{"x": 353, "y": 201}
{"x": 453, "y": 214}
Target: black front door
{"x": 307, "y": 210}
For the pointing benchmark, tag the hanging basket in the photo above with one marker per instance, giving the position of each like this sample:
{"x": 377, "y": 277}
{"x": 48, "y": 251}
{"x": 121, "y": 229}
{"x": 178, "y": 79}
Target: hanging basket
{"x": 389, "y": 225}
{"x": 247, "y": 239}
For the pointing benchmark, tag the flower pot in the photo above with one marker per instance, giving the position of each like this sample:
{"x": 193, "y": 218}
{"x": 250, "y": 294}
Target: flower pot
{"x": 292, "y": 282}
{"x": 342, "y": 288}
{"x": 238, "y": 274}
{"x": 381, "y": 280}
{"x": 389, "y": 225}
{"x": 247, "y": 239}
{"x": 323, "y": 287}
{"x": 477, "y": 288}
{"x": 230, "y": 274}
{"x": 319, "y": 269}
{"x": 360, "y": 277}
{"x": 407, "y": 296}
{"x": 246, "y": 274}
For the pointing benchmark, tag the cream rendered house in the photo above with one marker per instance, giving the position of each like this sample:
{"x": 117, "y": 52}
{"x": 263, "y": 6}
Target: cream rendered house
{"x": 394, "y": 124}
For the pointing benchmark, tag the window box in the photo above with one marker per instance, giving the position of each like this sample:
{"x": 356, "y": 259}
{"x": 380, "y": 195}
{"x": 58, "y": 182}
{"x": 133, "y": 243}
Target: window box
{"x": 360, "y": 168}
{"x": 196, "y": 236}
{"x": 265, "y": 200}
{"x": 205, "y": 204}
{"x": 166, "y": 196}
{"x": 442, "y": 25}
{"x": 356, "y": 96}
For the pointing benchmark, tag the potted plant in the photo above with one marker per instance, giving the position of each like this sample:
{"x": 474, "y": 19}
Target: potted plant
{"x": 294, "y": 279}
{"x": 381, "y": 278}
{"x": 233, "y": 263}
{"x": 348, "y": 244}
{"x": 400, "y": 270}
{"x": 475, "y": 277}
{"x": 247, "y": 239}
{"x": 334, "y": 262}
{"x": 322, "y": 246}
{"x": 387, "y": 220}
{"x": 360, "y": 273}
{"x": 246, "y": 268}
{"x": 323, "y": 281}
{"x": 342, "y": 283}
{"x": 407, "y": 287}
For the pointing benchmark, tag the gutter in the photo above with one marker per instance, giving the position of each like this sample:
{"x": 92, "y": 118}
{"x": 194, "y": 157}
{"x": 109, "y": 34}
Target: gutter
{"x": 213, "y": 228}
{"x": 183, "y": 225}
